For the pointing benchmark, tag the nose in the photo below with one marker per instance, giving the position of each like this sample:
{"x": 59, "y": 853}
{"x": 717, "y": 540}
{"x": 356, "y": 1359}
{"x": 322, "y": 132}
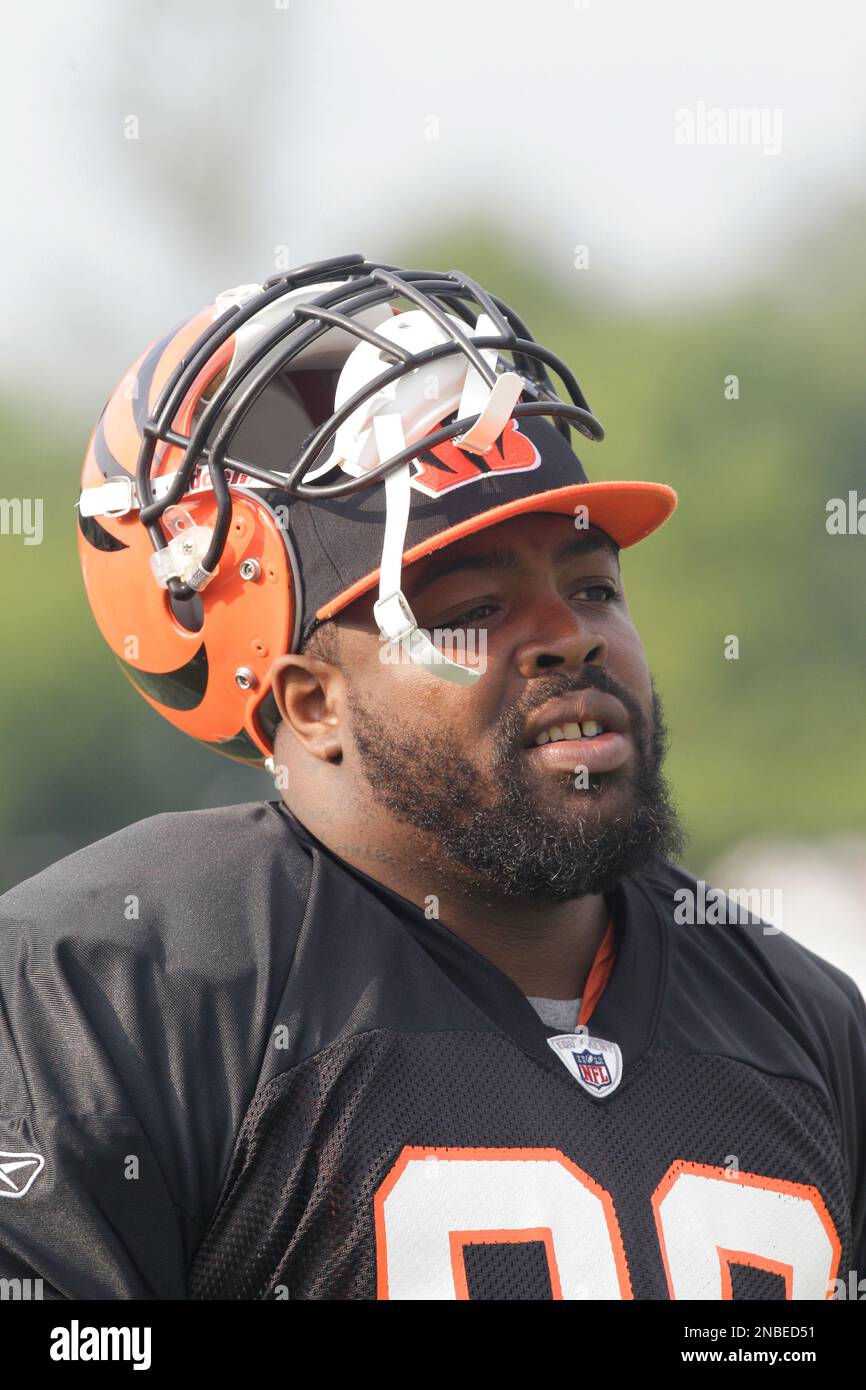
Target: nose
{"x": 561, "y": 639}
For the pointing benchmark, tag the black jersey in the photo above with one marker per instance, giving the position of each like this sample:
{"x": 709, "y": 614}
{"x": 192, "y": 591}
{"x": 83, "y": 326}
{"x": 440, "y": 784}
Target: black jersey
{"x": 234, "y": 1067}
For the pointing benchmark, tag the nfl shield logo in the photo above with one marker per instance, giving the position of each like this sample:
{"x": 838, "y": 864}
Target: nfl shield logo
{"x": 594, "y": 1062}
{"x": 593, "y": 1069}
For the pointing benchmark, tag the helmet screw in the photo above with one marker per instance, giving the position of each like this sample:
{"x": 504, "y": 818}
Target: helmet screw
{"x": 251, "y": 569}
{"x": 246, "y": 678}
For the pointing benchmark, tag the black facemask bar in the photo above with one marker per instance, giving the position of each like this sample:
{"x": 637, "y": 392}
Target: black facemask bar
{"x": 360, "y": 284}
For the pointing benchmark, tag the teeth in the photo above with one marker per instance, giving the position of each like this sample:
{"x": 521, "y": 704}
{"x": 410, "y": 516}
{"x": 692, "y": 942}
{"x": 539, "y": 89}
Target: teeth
{"x": 589, "y": 729}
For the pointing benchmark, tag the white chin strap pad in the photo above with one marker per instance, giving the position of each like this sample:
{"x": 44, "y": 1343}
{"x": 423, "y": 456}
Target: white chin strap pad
{"x": 493, "y": 405}
{"x": 502, "y": 397}
{"x": 391, "y": 610}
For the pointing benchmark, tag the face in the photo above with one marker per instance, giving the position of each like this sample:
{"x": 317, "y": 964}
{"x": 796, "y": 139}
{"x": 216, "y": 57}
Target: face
{"x": 544, "y": 605}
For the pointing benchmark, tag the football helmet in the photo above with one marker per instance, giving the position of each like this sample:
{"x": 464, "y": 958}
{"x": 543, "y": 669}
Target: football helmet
{"x": 295, "y": 443}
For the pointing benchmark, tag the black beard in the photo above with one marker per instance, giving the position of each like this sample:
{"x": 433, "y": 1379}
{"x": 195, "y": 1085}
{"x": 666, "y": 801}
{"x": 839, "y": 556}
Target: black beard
{"x": 506, "y": 844}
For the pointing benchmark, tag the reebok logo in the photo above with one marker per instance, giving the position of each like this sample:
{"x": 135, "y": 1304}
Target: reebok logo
{"x": 18, "y": 1172}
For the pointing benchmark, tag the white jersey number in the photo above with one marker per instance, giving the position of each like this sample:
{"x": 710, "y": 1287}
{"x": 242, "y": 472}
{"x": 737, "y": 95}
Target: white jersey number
{"x": 436, "y": 1202}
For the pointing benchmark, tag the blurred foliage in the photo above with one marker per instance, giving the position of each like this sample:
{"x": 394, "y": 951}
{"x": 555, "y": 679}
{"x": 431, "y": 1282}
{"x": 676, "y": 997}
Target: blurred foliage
{"x": 772, "y": 742}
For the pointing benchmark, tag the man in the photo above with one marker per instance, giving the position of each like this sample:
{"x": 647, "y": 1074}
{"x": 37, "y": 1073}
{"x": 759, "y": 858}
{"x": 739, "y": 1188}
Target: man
{"x": 430, "y": 1025}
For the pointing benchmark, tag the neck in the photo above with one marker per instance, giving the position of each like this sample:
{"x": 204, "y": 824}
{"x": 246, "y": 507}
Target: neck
{"x": 547, "y": 949}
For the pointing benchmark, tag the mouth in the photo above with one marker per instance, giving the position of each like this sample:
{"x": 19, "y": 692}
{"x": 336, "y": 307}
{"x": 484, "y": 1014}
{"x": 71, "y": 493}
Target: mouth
{"x": 602, "y": 752}
{"x": 587, "y": 730}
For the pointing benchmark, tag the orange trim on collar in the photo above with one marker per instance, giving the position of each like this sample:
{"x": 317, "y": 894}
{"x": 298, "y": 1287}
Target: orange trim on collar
{"x": 599, "y": 974}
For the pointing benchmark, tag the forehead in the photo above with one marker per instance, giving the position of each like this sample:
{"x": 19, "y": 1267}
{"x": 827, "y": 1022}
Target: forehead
{"x": 516, "y": 542}
{"x": 509, "y": 545}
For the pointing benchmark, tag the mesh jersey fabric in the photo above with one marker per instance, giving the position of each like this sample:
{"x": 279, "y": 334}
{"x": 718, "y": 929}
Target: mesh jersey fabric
{"x": 297, "y": 1218}
{"x": 329, "y": 1095}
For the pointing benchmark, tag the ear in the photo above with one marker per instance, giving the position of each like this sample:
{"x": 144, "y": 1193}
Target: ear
{"x": 277, "y": 681}
{"x": 307, "y": 692}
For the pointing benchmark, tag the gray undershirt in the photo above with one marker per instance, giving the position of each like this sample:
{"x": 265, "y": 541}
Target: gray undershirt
{"x": 557, "y": 1013}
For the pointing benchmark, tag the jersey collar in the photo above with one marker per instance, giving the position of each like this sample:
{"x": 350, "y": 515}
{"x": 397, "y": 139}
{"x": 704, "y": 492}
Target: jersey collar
{"x": 627, "y": 1012}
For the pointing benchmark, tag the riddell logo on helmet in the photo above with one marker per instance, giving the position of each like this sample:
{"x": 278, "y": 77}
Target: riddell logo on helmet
{"x": 201, "y": 478}
{"x": 446, "y": 467}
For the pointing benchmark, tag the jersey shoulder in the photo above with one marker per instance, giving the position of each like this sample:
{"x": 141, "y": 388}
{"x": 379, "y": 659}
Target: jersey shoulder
{"x": 140, "y": 976}
{"x": 729, "y": 928}
{"x": 738, "y": 986}
{"x": 176, "y": 861}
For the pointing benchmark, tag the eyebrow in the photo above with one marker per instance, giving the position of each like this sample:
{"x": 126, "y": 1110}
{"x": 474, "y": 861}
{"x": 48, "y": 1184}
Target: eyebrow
{"x": 503, "y": 558}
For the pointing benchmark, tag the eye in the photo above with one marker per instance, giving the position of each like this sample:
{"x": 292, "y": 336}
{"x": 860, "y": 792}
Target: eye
{"x": 472, "y": 613}
{"x": 595, "y": 593}
{"x": 607, "y": 592}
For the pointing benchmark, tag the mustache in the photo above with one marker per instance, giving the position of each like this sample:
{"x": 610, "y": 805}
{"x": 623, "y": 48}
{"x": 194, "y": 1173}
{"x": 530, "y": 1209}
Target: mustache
{"x": 565, "y": 683}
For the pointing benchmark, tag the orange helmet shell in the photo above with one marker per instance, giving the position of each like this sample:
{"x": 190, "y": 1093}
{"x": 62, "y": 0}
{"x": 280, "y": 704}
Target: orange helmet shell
{"x": 210, "y": 681}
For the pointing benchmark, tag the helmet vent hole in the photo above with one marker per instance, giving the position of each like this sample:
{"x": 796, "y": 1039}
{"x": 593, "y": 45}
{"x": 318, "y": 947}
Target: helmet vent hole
{"x": 188, "y": 611}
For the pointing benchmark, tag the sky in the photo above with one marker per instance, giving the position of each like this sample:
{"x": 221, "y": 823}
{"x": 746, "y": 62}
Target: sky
{"x": 155, "y": 153}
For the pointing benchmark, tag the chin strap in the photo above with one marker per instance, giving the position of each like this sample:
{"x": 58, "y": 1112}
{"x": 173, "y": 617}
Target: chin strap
{"x": 397, "y": 622}
{"x": 492, "y": 404}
